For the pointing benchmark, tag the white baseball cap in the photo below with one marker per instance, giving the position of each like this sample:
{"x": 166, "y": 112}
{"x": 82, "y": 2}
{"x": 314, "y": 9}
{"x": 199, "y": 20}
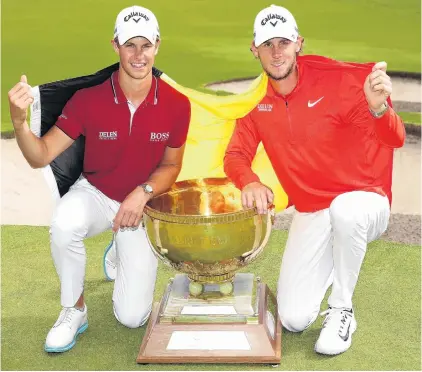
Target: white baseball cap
{"x": 274, "y": 21}
{"x": 136, "y": 21}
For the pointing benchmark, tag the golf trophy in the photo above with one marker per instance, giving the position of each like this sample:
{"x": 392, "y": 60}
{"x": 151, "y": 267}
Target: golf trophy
{"x": 209, "y": 313}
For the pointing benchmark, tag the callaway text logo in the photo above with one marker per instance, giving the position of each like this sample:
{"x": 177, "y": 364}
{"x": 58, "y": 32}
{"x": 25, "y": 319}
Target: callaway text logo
{"x": 107, "y": 135}
{"x": 265, "y": 107}
{"x": 159, "y": 137}
{"x": 312, "y": 104}
{"x": 273, "y": 16}
{"x": 136, "y": 14}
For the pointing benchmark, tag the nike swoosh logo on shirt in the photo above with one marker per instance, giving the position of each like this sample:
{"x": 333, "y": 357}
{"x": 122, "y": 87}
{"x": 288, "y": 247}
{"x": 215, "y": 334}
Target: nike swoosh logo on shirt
{"x": 314, "y": 103}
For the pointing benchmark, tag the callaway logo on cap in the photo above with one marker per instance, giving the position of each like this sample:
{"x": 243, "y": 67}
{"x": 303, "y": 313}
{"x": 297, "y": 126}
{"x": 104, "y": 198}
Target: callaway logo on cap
{"x": 136, "y": 21}
{"x": 274, "y": 21}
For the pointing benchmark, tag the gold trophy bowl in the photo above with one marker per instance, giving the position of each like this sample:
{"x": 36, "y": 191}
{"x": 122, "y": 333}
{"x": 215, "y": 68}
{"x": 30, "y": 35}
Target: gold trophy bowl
{"x": 209, "y": 313}
{"x": 200, "y": 228}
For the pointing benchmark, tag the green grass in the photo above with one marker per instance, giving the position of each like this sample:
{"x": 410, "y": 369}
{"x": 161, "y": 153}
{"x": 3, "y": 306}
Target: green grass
{"x": 203, "y": 41}
{"x": 411, "y": 117}
{"x": 387, "y": 304}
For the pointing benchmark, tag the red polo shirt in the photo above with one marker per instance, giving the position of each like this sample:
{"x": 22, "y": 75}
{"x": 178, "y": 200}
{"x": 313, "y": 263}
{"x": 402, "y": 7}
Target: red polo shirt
{"x": 121, "y": 149}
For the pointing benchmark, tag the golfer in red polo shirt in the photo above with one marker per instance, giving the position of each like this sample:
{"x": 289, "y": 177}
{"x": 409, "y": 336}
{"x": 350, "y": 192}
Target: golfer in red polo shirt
{"x": 329, "y": 130}
{"x": 135, "y": 127}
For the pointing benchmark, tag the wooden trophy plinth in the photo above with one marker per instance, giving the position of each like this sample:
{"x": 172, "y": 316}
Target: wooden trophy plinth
{"x": 243, "y": 327}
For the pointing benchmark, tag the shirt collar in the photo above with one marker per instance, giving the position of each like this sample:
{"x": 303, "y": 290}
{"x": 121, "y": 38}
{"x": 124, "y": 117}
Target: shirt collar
{"x": 119, "y": 96}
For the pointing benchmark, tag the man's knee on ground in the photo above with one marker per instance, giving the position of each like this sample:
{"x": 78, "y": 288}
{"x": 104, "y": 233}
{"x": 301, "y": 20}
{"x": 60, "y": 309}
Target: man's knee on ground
{"x": 131, "y": 317}
{"x": 294, "y": 320}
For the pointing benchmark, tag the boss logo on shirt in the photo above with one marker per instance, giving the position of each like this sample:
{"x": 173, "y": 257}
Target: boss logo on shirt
{"x": 107, "y": 135}
{"x": 159, "y": 137}
{"x": 265, "y": 107}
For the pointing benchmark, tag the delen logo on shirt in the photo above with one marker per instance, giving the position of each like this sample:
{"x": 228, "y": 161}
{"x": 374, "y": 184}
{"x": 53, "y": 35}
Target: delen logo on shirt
{"x": 108, "y": 135}
{"x": 159, "y": 137}
{"x": 268, "y": 107}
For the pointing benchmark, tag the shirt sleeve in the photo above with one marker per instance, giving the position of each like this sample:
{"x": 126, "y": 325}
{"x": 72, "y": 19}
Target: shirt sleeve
{"x": 70, "y": 121}
{"x": 240, "y": 153}
{"x": 179, "y": 132}
{"x": 389, "y": 129}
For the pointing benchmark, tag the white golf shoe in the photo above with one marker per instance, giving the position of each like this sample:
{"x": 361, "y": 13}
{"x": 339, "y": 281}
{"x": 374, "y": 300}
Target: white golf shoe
{"x": 337, "y": 330}
{"x": 69, "y": 325}
{"x": 110, "y": 261}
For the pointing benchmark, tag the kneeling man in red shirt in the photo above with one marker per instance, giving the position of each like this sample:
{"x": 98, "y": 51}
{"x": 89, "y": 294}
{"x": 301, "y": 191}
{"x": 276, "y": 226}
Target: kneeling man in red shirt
{"x": 329, "y": 131}
{"x": 135, "y": 127}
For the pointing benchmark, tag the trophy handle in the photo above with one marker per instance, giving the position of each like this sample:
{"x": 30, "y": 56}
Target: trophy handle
{"x": 156, "y": 224}
{"x": 160, "y": 251}
{"x": 251, "y": 255}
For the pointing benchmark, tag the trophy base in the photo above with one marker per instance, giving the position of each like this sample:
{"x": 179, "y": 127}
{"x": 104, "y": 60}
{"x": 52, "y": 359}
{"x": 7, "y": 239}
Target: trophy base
{"x": 242, "y": 327}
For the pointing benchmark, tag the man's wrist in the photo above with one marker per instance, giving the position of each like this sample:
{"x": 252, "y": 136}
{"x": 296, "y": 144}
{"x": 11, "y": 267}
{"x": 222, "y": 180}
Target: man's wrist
{"x": 147, "y": 189}
{"x": 380, "y": 111}
{"x": 253, "y": 182}
{"x": 247, "y": 179}
{"x": 20, "y": 128}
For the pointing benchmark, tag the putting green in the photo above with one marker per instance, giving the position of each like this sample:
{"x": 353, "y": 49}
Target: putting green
{"x": 387, "y": 305}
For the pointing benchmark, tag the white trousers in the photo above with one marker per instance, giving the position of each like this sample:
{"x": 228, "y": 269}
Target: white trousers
{"x": 327, "y": 248}
{"x": 84, "y": 212}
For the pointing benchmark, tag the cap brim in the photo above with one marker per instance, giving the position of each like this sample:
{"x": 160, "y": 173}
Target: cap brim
{"x": 260, "y": 39}
{"x": 123, "y": 37}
